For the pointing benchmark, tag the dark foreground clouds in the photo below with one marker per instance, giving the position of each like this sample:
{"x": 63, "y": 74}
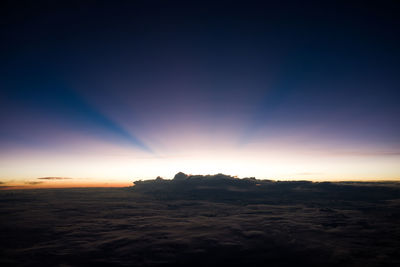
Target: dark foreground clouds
{"x": 200, "y": 221}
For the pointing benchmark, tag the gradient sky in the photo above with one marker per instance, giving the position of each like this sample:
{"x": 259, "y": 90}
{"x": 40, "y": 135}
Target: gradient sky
{"x": 110, "y": 93}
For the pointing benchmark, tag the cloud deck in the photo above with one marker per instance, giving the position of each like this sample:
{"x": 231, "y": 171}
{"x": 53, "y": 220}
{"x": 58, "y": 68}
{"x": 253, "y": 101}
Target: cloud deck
{"x": 203, "y": 221}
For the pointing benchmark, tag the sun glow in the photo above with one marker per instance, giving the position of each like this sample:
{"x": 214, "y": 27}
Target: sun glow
{"x": 119, "y": 166}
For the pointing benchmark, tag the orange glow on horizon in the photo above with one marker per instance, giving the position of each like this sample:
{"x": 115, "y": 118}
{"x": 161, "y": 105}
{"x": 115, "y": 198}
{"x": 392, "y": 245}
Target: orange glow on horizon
{"x": 279, "y": 158}
{"x": 50, "y": 185}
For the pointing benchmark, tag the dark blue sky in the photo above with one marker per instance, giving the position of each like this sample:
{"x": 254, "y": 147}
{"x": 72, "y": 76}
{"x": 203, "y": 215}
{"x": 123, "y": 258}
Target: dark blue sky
{"x": 164, "y": 78}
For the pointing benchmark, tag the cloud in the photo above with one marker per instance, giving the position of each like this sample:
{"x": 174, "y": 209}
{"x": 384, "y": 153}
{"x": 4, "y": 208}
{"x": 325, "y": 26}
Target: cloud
{"x": 54, "y": 178}
{"x": 33, "y": 183}
{"x": 221, "y": 187}
{"x": 284, "y": 224}
{"x": 366, "y": 153}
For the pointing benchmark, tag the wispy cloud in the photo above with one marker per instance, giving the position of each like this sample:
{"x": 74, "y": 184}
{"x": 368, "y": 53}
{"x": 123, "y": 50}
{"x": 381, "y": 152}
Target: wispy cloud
{"x": 54, "y": 178}
{"x": 366, "y": 153}
{"x": 33, "y": 183}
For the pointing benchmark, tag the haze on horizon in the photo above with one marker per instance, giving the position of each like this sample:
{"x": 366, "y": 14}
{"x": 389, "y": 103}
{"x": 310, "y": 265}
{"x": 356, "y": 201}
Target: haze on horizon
{"x": 112, "y": 93}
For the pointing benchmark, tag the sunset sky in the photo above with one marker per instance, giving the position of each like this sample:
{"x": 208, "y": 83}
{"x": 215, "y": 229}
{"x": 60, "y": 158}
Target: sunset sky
{"x": 110, "y": 94}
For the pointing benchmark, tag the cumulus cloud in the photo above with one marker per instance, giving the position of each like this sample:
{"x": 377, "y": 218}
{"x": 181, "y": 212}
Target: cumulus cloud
{"x": 221, "y": 187}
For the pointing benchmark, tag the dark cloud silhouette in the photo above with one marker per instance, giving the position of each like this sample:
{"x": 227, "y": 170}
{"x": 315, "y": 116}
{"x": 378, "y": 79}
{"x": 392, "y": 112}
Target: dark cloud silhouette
{"x": 33, "y": 183}
{"x": 54, "y": 178}
{"x": 225, "y": 187}
{"x": 180, "y": 176}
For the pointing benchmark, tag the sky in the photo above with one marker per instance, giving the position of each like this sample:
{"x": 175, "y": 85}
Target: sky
{"x": 104, "y": 93}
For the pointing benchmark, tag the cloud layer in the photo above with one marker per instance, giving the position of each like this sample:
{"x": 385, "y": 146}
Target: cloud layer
{"x": 203, "y": 221}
